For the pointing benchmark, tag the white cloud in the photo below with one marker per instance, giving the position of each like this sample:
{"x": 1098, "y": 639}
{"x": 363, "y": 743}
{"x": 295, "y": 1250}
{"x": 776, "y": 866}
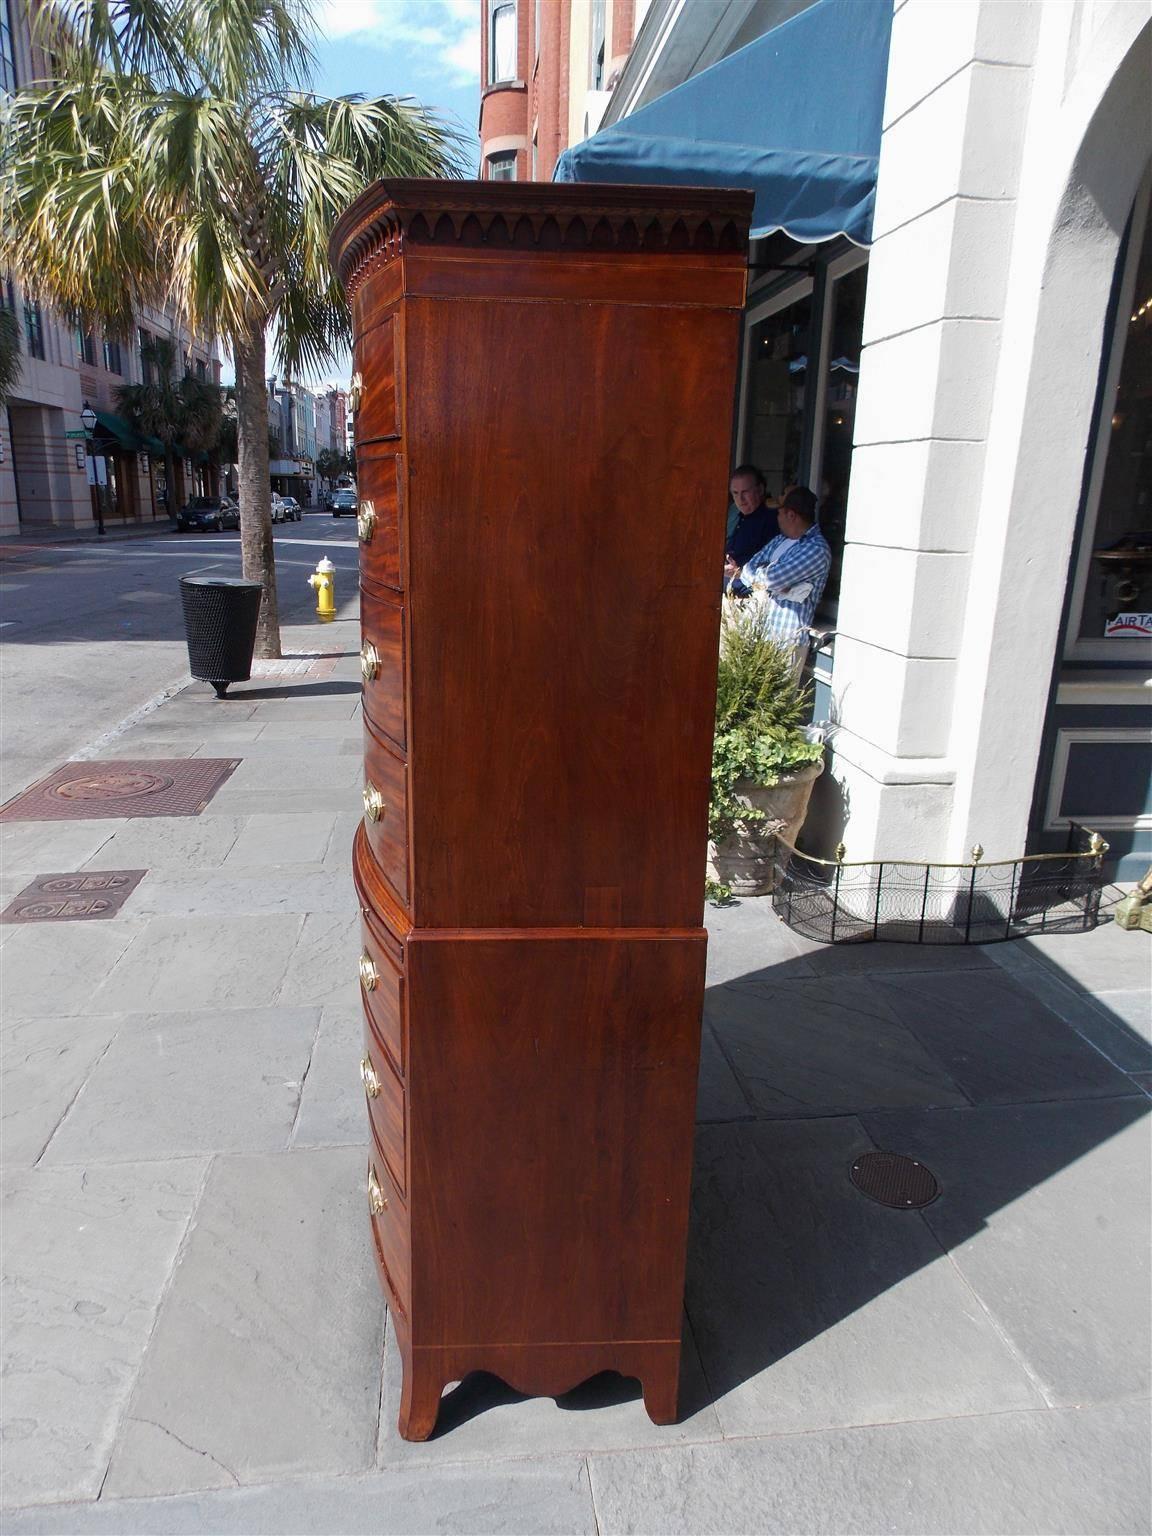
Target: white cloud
{"x": 443, "y": 36}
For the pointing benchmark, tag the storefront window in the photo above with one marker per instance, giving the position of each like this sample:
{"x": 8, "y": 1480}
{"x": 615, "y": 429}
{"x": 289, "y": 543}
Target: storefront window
{"x": 776, "y": 393}
{"x": 841, "y": 377}
{"x": 1118, "y": 593}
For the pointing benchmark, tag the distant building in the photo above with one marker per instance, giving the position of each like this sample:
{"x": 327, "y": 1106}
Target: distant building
{"x": 547, "y": 67}
{"x": 51, "y": 474}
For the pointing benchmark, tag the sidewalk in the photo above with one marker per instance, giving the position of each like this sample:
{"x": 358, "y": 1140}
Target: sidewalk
{"x": 195, "y": 1337}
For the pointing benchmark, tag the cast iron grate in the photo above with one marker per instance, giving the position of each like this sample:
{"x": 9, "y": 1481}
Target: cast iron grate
{"x": 893, "y": 1179}
{"x": 72, "y": 898}
{"x": 97, "y": 790}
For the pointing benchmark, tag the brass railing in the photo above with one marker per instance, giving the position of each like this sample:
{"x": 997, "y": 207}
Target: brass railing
{"x": 838, "y": 901}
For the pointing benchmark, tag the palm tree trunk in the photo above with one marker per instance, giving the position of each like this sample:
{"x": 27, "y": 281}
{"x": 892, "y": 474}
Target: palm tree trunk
{"x": 255, "y": 486}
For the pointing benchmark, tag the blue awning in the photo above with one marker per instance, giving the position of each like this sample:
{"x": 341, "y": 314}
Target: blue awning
{"x": 795, "y": 117}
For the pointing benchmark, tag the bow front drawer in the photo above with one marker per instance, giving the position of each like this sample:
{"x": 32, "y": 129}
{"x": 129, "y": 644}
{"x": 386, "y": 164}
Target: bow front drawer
{"x": 379, "y": 520}
{"x": 382, "y": 654}
{"x": 386, "y": 810}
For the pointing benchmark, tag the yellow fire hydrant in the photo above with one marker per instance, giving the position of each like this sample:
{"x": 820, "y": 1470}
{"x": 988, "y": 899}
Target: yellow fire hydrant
{"x": 323, "y": 583}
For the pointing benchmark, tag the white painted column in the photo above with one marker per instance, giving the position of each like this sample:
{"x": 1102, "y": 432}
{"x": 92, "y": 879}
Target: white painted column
{"x": 956, "y": 109}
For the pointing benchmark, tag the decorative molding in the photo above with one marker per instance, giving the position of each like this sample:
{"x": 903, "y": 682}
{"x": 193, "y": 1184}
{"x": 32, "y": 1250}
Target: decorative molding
{"x": 394, "y": 216}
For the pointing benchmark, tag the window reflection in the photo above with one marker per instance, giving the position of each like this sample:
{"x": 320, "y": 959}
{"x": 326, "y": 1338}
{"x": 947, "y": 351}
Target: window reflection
{"x": 778, "y": 354}
{"x": 1120, "y": 575}
{"x": 843, "y": 373}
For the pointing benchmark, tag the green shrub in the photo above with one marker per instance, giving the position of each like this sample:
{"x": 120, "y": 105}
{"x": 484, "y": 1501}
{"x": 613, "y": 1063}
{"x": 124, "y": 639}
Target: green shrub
{"x": 761, "y": 712}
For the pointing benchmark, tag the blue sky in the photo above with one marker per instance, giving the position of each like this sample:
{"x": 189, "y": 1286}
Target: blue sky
{"x": 429, "y": 49}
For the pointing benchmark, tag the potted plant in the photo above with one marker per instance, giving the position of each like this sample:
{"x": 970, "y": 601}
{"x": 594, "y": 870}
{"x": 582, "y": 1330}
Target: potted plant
{"x": 763, "y": 762}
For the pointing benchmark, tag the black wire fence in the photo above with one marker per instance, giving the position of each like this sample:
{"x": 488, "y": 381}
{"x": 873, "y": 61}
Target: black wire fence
{"x": 901, "y": 901}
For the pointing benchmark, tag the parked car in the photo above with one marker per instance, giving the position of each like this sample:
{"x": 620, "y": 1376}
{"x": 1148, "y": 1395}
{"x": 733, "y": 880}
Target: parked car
{"x": 208, "y": 514}
{"x": 293, "y": 511}
{"x": 343, "y": 502}
{"x": 278, "y": 515}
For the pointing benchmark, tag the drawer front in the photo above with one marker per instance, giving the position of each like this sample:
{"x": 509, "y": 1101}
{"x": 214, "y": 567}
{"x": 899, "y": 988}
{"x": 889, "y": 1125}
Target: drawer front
{"x": 386, "y": 811}
{"x": 379, "y": 413}
{"x": 385, "y": 1095}
{"x": 382, "y": 665}
{"x": 390, "y": 1236}
{"x": 383, "y": 990}
{"x": 379, "y": 520}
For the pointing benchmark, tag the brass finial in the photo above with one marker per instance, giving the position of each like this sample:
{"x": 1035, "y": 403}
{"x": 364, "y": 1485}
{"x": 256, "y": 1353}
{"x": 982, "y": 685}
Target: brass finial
{"x": 977, "y": 852}
{"x": 840, "y": 852}
{"x": 1097, "y": 846}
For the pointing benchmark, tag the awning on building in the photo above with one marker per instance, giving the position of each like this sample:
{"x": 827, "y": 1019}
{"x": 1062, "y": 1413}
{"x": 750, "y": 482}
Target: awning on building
{"x": 109, "y": 425}
{"x": 794, "y": 116}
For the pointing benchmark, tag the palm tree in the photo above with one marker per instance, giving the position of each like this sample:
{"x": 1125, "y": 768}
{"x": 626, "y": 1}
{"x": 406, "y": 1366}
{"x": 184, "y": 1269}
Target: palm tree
{"x": 9, "y": 354}
{"x": 184, "y": 414}
{"x": 181, "y": 158}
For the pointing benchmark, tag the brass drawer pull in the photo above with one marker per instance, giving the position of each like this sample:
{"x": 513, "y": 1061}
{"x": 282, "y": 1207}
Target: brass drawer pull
{"x": 373, "y": 802}
{"x": 366, "y": 521}
{"x": 369, "y": 975}
{"x": 354, "y": 391}
{"x": 369, "y": 661}
{"x": 377, "y": 1199}
{"x": 369, "y": 1078}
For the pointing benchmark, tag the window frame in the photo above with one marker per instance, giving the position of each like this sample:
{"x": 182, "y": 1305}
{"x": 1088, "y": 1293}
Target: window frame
{"x": 34, "y": 330}
{"x": 501, "y": 157}
{"x": 495, "y": 9}
{"x": 1117, "y": 647}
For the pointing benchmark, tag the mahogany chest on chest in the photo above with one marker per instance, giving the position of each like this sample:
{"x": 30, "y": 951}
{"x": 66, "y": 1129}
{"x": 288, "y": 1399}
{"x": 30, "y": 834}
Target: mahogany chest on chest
{"x": 545, "y": 386}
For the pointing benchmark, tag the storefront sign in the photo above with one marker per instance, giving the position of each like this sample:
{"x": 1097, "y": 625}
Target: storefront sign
{"x": 1130, "y": 624}
{"x": 97, "y": 471}
{"x": 81, "y": 454}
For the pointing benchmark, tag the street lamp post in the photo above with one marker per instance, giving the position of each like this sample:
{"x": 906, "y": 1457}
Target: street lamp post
{"x": 88, "y": 422}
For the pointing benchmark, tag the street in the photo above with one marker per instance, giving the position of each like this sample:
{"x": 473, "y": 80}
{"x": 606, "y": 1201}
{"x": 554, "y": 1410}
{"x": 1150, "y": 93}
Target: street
{"x": 92, "y": 631}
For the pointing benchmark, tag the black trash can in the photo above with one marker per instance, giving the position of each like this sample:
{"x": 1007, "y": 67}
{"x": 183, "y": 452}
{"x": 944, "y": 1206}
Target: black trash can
{"x": 220, "y": 614}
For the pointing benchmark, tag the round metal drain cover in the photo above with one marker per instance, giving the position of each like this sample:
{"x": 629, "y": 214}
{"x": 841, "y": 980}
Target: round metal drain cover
{"x": 113, "y": 786}
{"x": 894, "y": 1180}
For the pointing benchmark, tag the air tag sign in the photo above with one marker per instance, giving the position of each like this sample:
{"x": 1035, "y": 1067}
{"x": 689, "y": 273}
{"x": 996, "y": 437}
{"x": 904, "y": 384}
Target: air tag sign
{"x": 1139, "y": 624}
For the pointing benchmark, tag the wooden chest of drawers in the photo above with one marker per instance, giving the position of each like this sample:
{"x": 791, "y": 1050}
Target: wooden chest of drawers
{"x": 545, "y": 382}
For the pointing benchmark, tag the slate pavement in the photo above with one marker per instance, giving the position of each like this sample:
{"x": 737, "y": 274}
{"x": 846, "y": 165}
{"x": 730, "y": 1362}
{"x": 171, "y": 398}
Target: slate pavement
{"x": 194, "y": 1339}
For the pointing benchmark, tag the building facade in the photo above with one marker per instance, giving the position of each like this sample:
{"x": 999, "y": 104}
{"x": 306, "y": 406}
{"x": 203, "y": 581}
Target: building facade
{"x": 547, "y": 68}
{"x": 965, "y": 386}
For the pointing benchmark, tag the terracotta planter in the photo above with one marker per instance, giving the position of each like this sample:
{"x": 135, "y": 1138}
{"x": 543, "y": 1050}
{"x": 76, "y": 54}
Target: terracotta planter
{"x": 746, "y": 861}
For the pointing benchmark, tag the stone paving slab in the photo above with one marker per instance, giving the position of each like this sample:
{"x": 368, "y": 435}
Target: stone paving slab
{"x": 218, "y": 893}
{"x": 270, "y": 773}
{"x": 511, "y": 1498}
{"x": 482, "y": 1419}
{"x": 274, "y": 838}
{"x": 1008, "y": 1474}
{"x": 323, "y": 965}
{"x": 1124, "y": 958}
{"x": 719, "y": 1096}
{"x": 87, "y": 1253}
{"x": 44, "y": 1063}
{"x": 332, "y": 1109}
{"x": 181, "y": 843}
{"x": 330, "y": 797}
{"x": 195, "y": 962}
{"x": 1045, "y": 1212}
{"x": 850, "y": 1050}
{"x": 1089, "y": 1014}
{"x": 40, "y": 846}
{"x": 747, "y": 942}
{"x": 265, "y": 1362}
{"x": 997, "y": 1041}
{"x": 814, "y": 1307}
{"x": 48, "y": 976}
{"x": 188, "y": 1084}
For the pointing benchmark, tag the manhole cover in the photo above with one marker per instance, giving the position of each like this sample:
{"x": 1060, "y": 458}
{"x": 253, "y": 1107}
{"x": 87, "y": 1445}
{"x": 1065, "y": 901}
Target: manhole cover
{"x": 68, "y": 898}
{"x": 95, "y": 790}
{"x": 894, "y": 1180}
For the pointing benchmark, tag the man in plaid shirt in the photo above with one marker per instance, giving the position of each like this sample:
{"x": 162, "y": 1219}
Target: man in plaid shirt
{"x": 787, "y": 576}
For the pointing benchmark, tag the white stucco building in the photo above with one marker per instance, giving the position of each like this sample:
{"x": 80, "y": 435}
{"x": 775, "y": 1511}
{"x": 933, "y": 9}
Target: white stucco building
{"x": 970, "y": 393}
